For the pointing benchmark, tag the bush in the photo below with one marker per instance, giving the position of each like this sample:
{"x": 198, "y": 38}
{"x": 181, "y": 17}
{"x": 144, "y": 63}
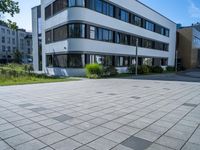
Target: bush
{"x": 94, "y": 71}
{"x": 109, "y": 71}
{"x": 131, "y": 69}
{"x": 157, "y": 69}
{"x": 144, "y": 69}
{"x": 170, "y": 69}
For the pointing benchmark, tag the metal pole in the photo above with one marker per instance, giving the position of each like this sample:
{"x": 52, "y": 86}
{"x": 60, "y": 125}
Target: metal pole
{"x": 136, "y": 63}
{"x": 176, "y": 61}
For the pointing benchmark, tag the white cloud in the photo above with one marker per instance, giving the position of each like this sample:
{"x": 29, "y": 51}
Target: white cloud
{"x": 194, "y": 11}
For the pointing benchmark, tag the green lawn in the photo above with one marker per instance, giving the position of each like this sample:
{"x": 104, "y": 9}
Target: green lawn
{"x": 16, "y": 74}
{"x": 31, "y": 80}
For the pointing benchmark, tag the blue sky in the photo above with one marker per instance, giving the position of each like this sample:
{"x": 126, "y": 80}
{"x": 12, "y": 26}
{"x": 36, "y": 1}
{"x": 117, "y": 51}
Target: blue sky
{"x": 185, "y": 12}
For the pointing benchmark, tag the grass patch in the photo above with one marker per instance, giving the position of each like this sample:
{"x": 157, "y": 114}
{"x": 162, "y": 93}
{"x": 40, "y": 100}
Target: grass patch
{"x": 16, "y": 74}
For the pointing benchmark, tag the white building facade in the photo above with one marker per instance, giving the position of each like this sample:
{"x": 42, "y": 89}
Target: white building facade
{"x": 79, "y": 32}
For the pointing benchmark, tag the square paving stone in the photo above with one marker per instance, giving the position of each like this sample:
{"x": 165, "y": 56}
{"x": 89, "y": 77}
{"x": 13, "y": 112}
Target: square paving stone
{"x": 67, "y": 144}
{"x": 191, "y": 146}
{"x": 68, "y": 132}
{"x": 136, "y": 143}
{"x": 38, "y": 109}
{"x": 52, "y": 138}
{"x": 170, "y": 142}
{"x": 116, "y": 136}
{"x": 20, "y": 139}
{"x": 32, "y": 145}
{"x": 102, "y": 144}
{"x": 63, "y": 118}
{"x": 84, "y": 148}
{"x": 9, "y": 133}
{"x": 4, "y": 146}
{"x": 40, "y": 132}
{"x": 190, "y": 105}
{"x": 26, "y": 105}
{"x": 146, "y": 135}
{"x": 85, "y": 137}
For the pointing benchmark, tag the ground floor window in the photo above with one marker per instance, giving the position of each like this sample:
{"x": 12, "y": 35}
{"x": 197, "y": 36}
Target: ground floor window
{"x": 80, "y": 60}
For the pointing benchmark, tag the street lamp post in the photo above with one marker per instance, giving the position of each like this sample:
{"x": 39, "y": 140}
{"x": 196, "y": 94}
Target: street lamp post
{"x": 136, "y": 63}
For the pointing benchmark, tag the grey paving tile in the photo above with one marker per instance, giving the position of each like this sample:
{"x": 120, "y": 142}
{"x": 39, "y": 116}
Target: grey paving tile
{"x": 128, "y": 130}
{"x": 84, "y": 148}
{"x": 136, "y": 143}
{"x": 121, "y": 147}
{"x": 146, "y": 135}
{"x": 40, "y": 132}
{"x": 158, "y": 147}
{"x": 170, "y": 142}
{"x": 30, "y": 127}
{"x": 156, "y": 129}
{"x": 85, "y": 137}
{"x": 19, "y": 139}
{"x": 182, "y": 135}
{"x": 195, "y": 139}
{"x": 100, "y": 131}
{"x": 71, "y": 131}
{"x": 38, "y": 109}
{"x": 26, "y": 105}
{"x": 86, "y": 125}
{"x": 4, "y": 146}
{"x": 116, "y": 136}
{"x": 22, "y": 122}
{"x": 102, "y": 144}
{"x": 191, "y": 146}
{"x": 47, "y": 148}
{"x": 67, "y": 144}
{"x": 52, "y": 138}
{"x": 63, "y": 118}
{"x": 190, "y": 105}
{"x": 58, "y": 126}
{"x": 48, "y": 122}
{"x": 32, "y": 145}
{"x": 6, "y": 126}
{"x": 112, "y": 125}
{"x": 10, "y": 133}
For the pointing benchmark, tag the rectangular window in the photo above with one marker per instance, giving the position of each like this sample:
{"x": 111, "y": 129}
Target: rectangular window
{"x": 111, "y": 10}
{"x": 3, "y": 48}
{"x": 92, "y": 32}
{"x": 3, "y": 39}
{"x": 8, "y": 32}
{"x": 99, "y": 5}
{"x": 49, "y": 61}
{"x": 167, "y": 32}
{"x": 76, "y": 30}
{"x": 13, "y": 41}
{"x": 60, "y": 60}
{"x": 124, "y": 16}
{"x": 59, "y": 5}
{"x": 147, "y": 43}
{"x": 3, "y": 31}
{"x": 75, "y": 61}
{"x": 80, "y": 3}
{"x": 100, "y": 34}
{"x": 48, "y": 37}
{"x": 48, "y": 11}
{"x": 110, "y": 36}
{"x": 8, "y": 48}
{"x": 72, "y": 3}
{"x": 8, "y": 40}
{"x": 60, "y": 33}
{"x": 150, "y": 26}
{"x": 137, "y": 21}
{"x": 105, "y": 8}
{"x": 105, "y": 35}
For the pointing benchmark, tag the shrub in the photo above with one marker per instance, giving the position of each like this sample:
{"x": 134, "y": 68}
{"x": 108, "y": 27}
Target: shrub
{"x": 131, "y": 69}
{"x": 94, "y": 71}
{"x": 109, "y": 71}
{"x": 144, "y": 69}
{"x": 170, "y": 69}
{"x": 157, "y": 69}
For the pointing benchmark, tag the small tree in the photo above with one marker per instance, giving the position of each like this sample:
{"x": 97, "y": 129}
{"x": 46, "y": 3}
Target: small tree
{"x": 17, "y": 56}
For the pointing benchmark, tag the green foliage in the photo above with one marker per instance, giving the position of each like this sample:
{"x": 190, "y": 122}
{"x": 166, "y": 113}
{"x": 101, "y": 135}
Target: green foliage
{"x": 11, "y": 7}
{"x": 131, "y": 69}
{"x": 109, "y": 71}
{"x": 170, "y": 69}
{"x": 94, "y": 71}
{"x": 144, "y": 69}
{"x": 17, "y": 56}
{"x": 13, "y": 74}
{"x": 157, "y": 69}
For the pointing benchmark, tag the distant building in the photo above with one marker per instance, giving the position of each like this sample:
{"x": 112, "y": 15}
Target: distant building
{"x": 188, "y": 46}
{"x": 12, "y": 40}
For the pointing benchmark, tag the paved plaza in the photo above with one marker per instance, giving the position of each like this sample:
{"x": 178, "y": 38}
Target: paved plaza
{"x": 108, "y": 114}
